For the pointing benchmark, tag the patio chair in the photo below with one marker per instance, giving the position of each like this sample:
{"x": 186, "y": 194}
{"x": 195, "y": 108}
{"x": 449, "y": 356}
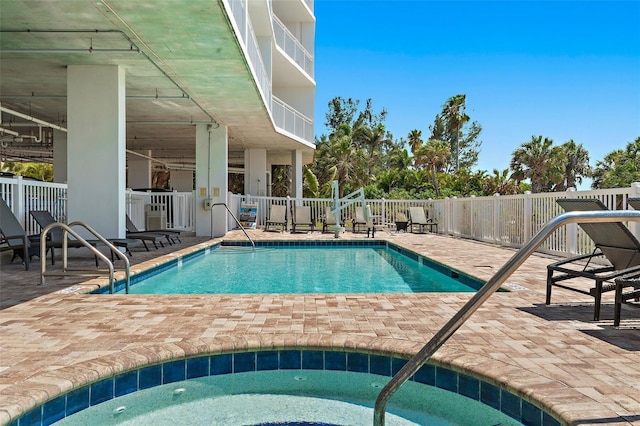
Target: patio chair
{"x": 277, "y": 216}
{"x": 171, "y": 235}
{"x": 417, "y": 217}
{"x": 16, "y": 238}
{"x": 44, "y": 218}
{"x": 623, "y": 294}
{"x": 613, "y": 242}
{"x": 329, "y": 219}
{"x": 302, "y": 217}
{"x": 360, "y": 219}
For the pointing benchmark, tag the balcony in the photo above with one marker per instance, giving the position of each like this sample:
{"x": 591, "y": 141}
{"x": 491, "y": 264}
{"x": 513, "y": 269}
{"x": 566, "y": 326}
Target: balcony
{"x": 286, "y": 41}
{"x": 291, "y": 121}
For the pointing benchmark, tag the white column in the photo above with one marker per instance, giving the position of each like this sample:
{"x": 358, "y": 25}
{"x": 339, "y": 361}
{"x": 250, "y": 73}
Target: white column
{"x": 139, "y": 170}
{"x": 59, "y": 156}
{"x": 96, "y": 147}
{"x": 211, "y": 179}
{"x": 296, "y": 174}
{"x": 255, "y": 171}
{"x": 181, "y": 180}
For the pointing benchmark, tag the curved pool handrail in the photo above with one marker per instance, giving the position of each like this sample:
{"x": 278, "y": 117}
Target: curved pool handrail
{"x": 414, "y": 364}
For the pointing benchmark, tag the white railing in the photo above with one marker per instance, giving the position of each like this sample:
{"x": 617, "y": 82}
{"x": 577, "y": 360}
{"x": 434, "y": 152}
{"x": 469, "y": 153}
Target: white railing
{"x": 23, "y": 195}
{"x": 288, "y": 119}
{"x": 292, "y": 47}
{"x": 504, "y": 220}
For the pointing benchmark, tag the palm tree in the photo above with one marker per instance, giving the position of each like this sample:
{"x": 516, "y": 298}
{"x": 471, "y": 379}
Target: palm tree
{"x": 539, "y": 161}
{"x": 577, "y": 165}
{"x": 500, "y": 183}
{"x": 434, "y": 156}
{"x": 415, "y": 140}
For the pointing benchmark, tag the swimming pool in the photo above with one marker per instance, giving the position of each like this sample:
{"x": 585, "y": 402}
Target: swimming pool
{"x": 304, "y": 268}
{"x": 290, "y": 386}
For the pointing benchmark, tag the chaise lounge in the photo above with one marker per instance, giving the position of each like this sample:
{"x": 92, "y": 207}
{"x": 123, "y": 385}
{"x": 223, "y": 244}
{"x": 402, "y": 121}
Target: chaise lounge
{"x": 417, "y": 217}
{"x": 614, "y": 244}
{"x": 302, "y": 217}
{"x": 16, "y": 238}
{"x": 277, "y": 217}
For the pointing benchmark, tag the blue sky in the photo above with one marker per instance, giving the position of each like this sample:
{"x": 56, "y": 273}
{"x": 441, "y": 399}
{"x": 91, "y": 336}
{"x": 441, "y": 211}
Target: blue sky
{"x": 560, "y": 69}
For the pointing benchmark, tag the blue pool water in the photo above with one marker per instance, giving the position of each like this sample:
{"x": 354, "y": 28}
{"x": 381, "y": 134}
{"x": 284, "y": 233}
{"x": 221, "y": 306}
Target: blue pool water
{"x": 288, "y": 397}
{"x": 302, "y": 269}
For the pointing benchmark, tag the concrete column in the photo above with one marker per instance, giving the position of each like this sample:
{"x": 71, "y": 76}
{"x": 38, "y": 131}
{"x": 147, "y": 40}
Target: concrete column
{"x": 296, "y": 174}
{"x": 211, "y": 179}
{"x": 255, "y": 171}
{"x": 96, "y": 145}
{"x": 59, "y": 156}
{"x": 181, "y": 180}
{"x": 139, "y": 170}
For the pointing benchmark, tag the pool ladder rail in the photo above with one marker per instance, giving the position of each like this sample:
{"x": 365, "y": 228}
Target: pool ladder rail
{"x": 237, "y": 222}
{"x": 66, "y": 271}
{"x": 414, "y": 364}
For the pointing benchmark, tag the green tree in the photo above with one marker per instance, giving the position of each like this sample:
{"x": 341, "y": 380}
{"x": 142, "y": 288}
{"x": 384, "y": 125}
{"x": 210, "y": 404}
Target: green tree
{"x": 576, "y": 165}
{"x": 434, "y": 155}
{"x": 500, "y": 183}
{"x": 415, "y": 140}
{"x": 619, "y": 168}
{"x": 540, "y": 162}
{"x": 454, "y": 126}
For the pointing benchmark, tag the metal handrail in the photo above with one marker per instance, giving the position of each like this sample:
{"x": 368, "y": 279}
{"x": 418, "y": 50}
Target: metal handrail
{"x": 237, "y": 221}
{"x": 65, "y": 270}
{"x": 412, "y": 366}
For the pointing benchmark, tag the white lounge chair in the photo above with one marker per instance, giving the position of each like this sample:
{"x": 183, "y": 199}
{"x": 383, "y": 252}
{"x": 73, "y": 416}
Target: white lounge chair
{"x": 417, "y": 217}
{"x": 277, "y": 216}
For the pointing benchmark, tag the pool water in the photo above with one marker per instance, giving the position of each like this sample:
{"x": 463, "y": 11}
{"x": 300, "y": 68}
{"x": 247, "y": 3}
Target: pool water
{"x": 299, "y": 270}
{"x": 288, "y": 397}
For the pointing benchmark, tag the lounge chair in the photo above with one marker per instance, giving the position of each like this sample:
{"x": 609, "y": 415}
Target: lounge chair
{"x": 302, "y": 217}
{"x": 417, "y": 217}
{"x": 16, "y": 238}
{"x": 171, "y": 235}
{"x": 329, "y": 219}
{"x": 44, "y": 218}
{"x": 613, "y": 242}
{"x": 623, "y": 295}
{"x": 360, "y": 219}
{"x": 277, "y": 216}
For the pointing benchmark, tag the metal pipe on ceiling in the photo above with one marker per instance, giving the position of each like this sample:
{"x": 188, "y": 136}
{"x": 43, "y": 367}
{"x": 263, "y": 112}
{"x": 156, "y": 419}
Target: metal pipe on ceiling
{"x": 30, "y": 118}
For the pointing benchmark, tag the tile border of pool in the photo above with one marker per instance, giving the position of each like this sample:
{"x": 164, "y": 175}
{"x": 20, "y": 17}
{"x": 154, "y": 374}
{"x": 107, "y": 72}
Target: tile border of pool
{"x": 176, "y": 370}
{"x": 464, "y": 278}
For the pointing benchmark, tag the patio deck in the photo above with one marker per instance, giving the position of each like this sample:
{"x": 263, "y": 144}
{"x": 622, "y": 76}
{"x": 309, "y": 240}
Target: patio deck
{"x": 54, "y": 337}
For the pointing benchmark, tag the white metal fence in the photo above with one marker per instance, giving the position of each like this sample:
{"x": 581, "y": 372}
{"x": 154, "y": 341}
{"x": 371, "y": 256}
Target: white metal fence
{"x": 504, "y": 220}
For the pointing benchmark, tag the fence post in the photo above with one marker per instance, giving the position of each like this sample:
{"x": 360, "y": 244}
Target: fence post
{"x": 635, "y": 192}
{"x": 472, "y": 209}
{"x": 496, "y": 218}
{"x": 383, "y": 214}
{"x": 19, "y": 201}
{"x": 527, "y": 217}
{"x": 288, "y": 213}
{"x": 572, "y": 231}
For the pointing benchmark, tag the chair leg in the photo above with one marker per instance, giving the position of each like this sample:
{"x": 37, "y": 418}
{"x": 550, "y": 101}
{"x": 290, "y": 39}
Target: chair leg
{"x": 598, "y": 300}
{"x": 618, "y": 305}
{"x": 549, "y": 285}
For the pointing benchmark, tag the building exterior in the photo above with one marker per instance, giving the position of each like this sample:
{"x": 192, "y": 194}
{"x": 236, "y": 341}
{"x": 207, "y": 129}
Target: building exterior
{"x": 108, "y": 90}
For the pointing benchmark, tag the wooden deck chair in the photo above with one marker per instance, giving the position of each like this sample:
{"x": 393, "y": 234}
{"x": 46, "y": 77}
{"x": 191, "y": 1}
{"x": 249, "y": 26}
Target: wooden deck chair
{"x": 302, "y": 217}
{"x": 277, "y": 216}
{"x": 613, "y": 242}
{"x": 16, "y": 238}
{"x": 417, "y": 217}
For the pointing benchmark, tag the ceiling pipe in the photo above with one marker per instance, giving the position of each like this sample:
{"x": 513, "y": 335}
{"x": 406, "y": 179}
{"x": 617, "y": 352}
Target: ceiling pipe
{"x": 63, "y": 51}
{"x": 9, "y": 132}
{"x": 30, "y": 118}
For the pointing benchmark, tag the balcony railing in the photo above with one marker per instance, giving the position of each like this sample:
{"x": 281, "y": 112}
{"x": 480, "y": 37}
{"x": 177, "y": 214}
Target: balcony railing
{"x": 287, "y": 118}
{"x": 292, "y": 47}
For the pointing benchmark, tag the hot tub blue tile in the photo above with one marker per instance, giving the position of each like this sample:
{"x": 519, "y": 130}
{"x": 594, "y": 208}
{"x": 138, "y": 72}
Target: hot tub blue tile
{"x": 531, "y": 415}
{"x": 446, "y": 379}
{"x": 243, "y": 362}
{"x": 197, "y": 367}
{"x": 221, "y": 364}
{"x": 380, "y": 365}
{"x": 358, "y": 363}
{"x": 101, "y": 391}
{"x": 490, "y": 395}
{"x": 290, "y": 360}
{"x": 510, "y": 404}
{"x": 267, "y": 360}
{"x": 126, "y": 383}
{"x": 33, "y": 417}
{"x": 313, "y": 360}
{"x": 174, "y": 371}
{"x": 397, "y": 364}
{"x": 150, "y": 377}
{"x": 53, "y": 410}
{"x": 548, "y": 420}
{"x": 469, "y": 387}
{"x": 77, "y": 400}
{"x": 426, "y": 374}
{"x": 335, "y": 361}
